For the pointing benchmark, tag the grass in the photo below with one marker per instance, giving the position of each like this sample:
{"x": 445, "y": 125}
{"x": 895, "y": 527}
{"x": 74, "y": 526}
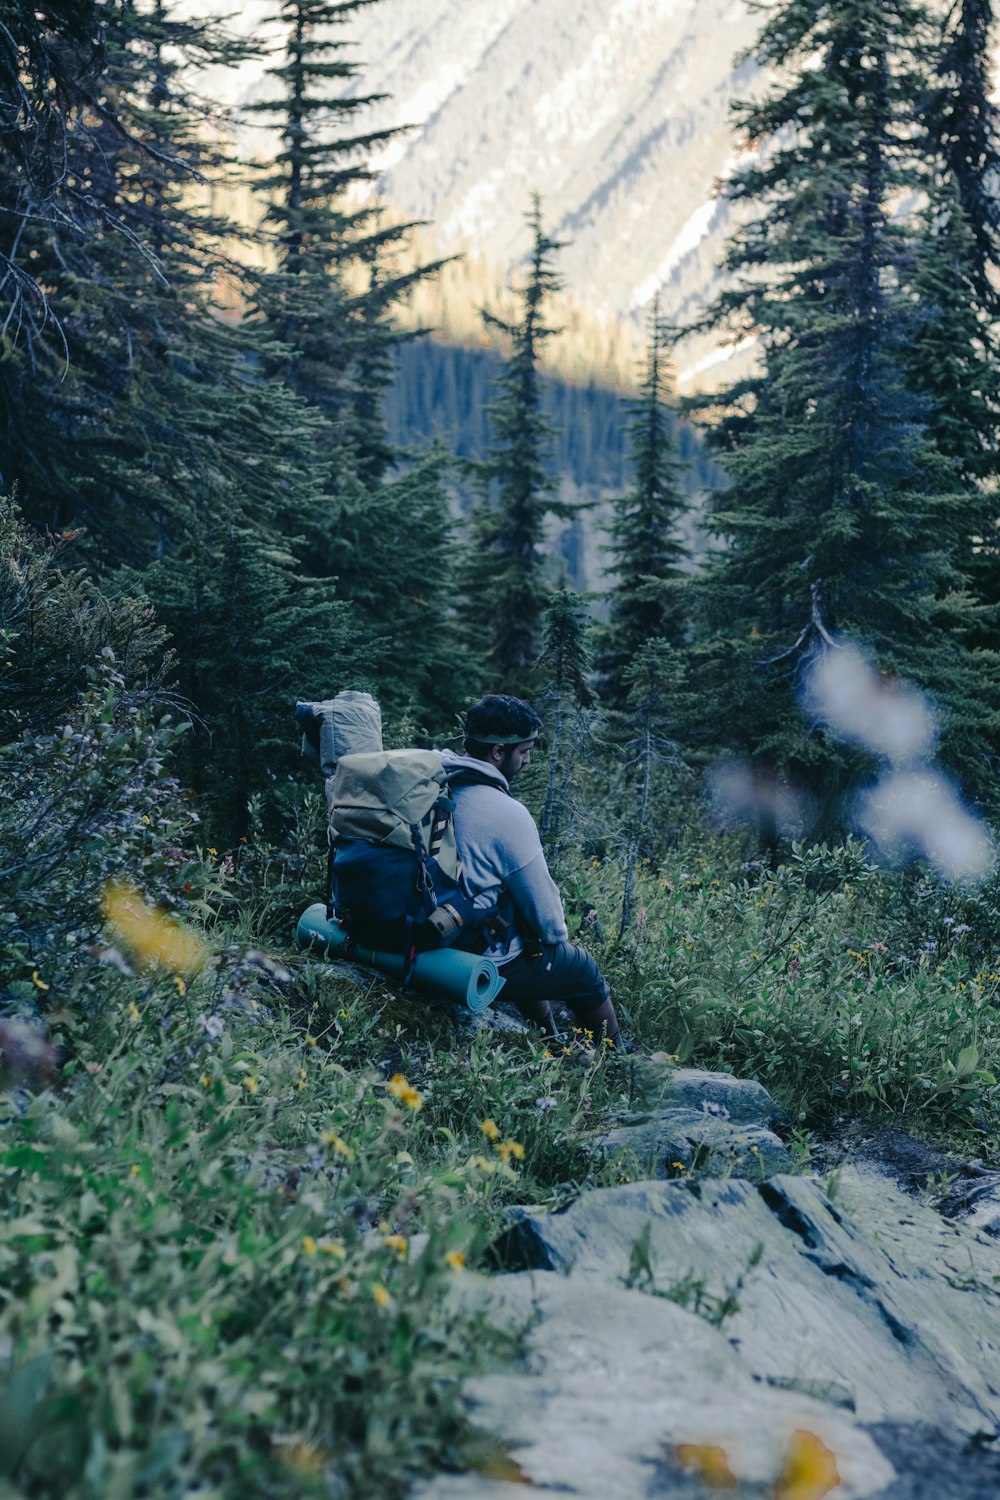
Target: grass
{"x": 237, "y": 1203}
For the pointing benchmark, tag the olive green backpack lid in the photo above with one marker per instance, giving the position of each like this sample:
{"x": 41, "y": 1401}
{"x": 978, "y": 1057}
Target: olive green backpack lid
{"x": 384, "y": 796}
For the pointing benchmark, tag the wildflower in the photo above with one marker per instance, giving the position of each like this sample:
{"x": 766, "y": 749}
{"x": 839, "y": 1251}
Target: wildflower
{"x": 484, "y": 1164}
{"x": 710, "y": 1462}
{"x": 455, "y": 1260}
{"x": 133, "y": 1011}
{"x": 154, "y": 939}
{"x": 380, "y": 1295}
{"x": 547, "y": 1053}
{"x": 214, "y": 1026}
{"x": 489, "y": 1129}
{"x": 145, "y": 819}
{"x": 809, "y": 1471}
{"x": 181, "y": 986}
{"x": 205, "y": 1081}
{"x": 250, "y": 1084}
{"x": 310, "y": 1041}
{"x": 213, "y": 851}
{"x": 404, "y": 1092}
{"x": 134, "y": 1170}
{"x": 332, "y": 1247}
{"x": 547, "y": 1102}
{"x": 309, "y": 1245}
{"x": 37, "y": 981}
{"x": 343, "y": 1015}
{"x": 397, "y": 1242}
{"x": 678, "y": 1166}
{"x": 337, "y": 1145}
{"x": 507, "y": 1149}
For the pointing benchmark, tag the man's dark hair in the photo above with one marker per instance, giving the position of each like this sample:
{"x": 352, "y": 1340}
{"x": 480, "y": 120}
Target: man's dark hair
{"x": 499, "y": 719}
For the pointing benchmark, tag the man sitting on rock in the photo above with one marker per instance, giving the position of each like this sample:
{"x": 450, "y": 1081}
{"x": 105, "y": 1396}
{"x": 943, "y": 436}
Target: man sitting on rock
{"x": 505, "y": 867}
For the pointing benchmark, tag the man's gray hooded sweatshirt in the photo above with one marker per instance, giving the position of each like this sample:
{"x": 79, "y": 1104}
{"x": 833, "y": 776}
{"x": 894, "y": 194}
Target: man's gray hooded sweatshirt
{"x": 502, "y": 858}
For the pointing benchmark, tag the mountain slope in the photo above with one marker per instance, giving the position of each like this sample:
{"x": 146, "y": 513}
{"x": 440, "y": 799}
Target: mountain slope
{"x": 616, "y": 111}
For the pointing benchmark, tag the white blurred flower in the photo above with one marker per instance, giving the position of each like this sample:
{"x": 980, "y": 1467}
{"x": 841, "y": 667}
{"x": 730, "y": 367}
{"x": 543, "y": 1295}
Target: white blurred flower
{"x": 891, "y": 718}
{"x": 920, "y": 812}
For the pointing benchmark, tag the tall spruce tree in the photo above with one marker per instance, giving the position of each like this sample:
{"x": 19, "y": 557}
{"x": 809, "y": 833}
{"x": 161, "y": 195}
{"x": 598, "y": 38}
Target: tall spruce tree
{"x": 329, "y": 301}
{"x": 843, "y": 515}
{"x": 134, "y": 409}
{"x": 380, "y": 536}
{"x": 564, "y": 667}
{"x": 955, "y": 353}
{"x": 647, "y": 552}
{"x": 507, "y": 584}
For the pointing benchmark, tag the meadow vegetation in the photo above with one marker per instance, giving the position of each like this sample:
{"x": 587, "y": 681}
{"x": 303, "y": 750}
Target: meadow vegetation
{"x": 241, "y": 1187}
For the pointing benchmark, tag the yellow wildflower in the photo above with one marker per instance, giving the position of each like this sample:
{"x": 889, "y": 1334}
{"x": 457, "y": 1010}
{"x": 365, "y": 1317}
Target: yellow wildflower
{"x": 337, "y": 1144}
{"x": 133, "y": 1011}
{"x": 309, "y": 1245}
{"x": 809, "y": 1471}
{"x": 134, "y": 1170}
{"x": 153, "y": 938}
{"x": 380, "y": 1295}
{"x": 332, "y": 1247}
{"x": 37, "y": 980}
{"x": 455, "y": 1260}
{"x": 250, "y": 1084}
{"x": 397, "y": 1242}
{"x": 404, "y": 1092}
{"x": 710, "y": 1463}
{"x": 181, "y": 986}
{"x": 507, "y": 1149}
{"x": 489, "y": 1129}
{"x": 205, "y": 1081}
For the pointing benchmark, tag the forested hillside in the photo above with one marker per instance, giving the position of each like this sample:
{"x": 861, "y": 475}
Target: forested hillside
{"x": 242, "y": 1184}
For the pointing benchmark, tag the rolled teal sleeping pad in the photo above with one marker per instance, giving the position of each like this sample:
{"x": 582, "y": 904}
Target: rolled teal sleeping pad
{"x": 445, "y": 974}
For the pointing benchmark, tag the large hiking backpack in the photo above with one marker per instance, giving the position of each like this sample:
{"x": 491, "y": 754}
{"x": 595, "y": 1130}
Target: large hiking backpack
{"x": 396, "y": 877}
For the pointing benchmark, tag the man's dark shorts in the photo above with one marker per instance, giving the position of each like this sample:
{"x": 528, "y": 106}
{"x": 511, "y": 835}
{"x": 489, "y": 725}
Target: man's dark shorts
{"x": 560, "y": 973}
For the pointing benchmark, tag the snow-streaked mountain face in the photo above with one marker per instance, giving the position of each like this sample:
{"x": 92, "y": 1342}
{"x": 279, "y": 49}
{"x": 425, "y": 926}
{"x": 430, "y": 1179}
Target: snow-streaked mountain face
{"x": 615, "y": 111}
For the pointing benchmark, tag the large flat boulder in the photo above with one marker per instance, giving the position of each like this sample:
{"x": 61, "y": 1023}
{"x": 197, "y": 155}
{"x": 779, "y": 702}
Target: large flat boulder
{"x": 623, "y": 1394}
{"x": 866, "y": 1297}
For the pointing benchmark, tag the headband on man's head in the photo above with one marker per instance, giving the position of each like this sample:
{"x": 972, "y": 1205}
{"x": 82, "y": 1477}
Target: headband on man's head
{"x": 505, "y": 739}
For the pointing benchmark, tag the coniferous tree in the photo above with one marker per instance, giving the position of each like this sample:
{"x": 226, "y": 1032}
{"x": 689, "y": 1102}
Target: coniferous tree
{"x": 134, "y": 408}
{"x": 647, "y": 552}
{"x": 507, "y": 583}
{"x": 955, "y": 353}
{"x": 253, "y": 636}
{"x": 52, "y": 58}
{"x": 843, "y": 515}
{"x": 381, "y": 537}
{"x": 564, "y": 668}
{"x": 330, "y": 300}
{"x": 651, "y": 681}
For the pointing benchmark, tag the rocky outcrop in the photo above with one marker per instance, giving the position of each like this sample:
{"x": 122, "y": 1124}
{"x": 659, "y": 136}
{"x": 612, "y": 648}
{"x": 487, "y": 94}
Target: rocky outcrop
{"x": 686, "y": 1335}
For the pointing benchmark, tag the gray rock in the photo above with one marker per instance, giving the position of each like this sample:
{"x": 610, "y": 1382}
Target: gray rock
{"x": 616, "y": 1381}
{"x": 869, "y": 1294}
{"x": 658, "y": 1087}
{"x": 685, "y": 1121}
